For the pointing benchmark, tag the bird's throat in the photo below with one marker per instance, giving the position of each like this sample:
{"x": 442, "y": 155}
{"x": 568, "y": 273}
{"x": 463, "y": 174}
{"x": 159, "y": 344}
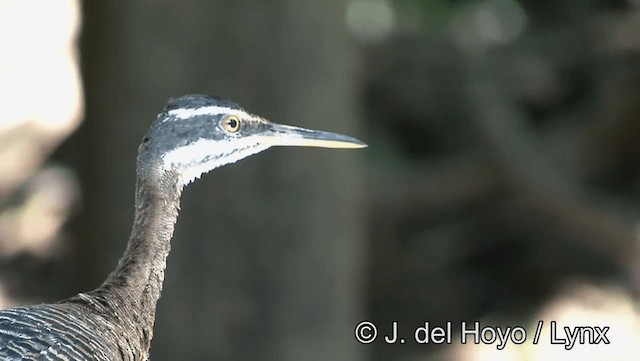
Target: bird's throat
{"x": 135, "y": 286}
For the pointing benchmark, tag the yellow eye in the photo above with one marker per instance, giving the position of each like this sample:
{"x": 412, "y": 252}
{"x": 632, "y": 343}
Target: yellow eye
{"x": 231, "y": 123}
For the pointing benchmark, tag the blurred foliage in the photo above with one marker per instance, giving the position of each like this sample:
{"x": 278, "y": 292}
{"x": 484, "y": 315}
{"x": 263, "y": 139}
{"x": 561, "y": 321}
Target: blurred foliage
{"x": 429, "y": 16}
{"x": 505, "y": 147}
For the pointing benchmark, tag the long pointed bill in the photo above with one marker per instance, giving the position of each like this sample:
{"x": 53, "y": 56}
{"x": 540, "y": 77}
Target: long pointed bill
{"x": 285, "y": 135}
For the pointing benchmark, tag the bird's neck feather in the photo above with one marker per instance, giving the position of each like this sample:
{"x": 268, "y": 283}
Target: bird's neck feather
{"x": 134, "y": 288}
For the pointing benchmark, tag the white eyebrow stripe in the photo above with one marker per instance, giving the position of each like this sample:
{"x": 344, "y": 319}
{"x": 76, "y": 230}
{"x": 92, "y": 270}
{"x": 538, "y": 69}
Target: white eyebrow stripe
{"x": 209, "y": 110}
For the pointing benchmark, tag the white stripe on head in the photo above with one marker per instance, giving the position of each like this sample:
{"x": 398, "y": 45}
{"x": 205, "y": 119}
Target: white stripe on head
{"x": 190, "y": 160}
{"x": 213, "y": 110}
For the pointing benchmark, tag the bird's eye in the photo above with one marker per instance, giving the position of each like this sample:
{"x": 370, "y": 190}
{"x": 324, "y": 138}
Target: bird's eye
{"x": 231, "y": 123}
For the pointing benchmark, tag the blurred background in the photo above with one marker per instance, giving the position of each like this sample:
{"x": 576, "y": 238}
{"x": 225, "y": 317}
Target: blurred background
{"x": 501, "y": 183}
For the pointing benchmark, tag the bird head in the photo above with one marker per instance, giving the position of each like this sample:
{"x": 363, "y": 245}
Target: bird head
{"x": 197, "y": 133}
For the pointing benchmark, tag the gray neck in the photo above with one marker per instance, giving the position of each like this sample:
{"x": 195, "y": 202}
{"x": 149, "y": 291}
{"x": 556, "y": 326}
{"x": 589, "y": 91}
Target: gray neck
{"x": 134, "y": 288}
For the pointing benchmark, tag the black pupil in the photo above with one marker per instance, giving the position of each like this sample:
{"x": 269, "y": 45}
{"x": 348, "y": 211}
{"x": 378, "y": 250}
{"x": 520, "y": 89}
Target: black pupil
{"x": 232, "y": 123}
